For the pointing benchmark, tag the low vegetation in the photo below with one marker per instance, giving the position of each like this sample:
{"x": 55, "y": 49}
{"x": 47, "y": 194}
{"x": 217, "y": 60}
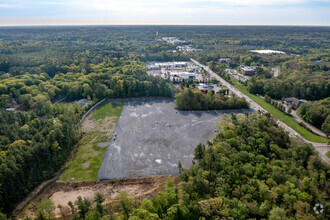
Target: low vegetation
{"x": 189, "y": 99}
{"x": 328, "y": 154}
{"x": 98, "y": 128}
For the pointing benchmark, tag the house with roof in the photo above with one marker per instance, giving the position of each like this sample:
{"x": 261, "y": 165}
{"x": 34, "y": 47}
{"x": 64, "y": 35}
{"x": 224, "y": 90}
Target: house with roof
{"x": 296, "y": 102}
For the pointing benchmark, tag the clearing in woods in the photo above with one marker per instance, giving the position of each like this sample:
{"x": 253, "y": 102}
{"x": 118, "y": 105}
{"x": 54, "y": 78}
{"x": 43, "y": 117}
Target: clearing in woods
{"x": 97, "y": 130}
{"x": 63, "y": 192}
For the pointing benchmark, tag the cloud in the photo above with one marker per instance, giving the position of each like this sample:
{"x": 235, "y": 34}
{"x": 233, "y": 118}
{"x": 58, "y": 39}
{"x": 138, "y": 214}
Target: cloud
{"x": 5, "y": 5}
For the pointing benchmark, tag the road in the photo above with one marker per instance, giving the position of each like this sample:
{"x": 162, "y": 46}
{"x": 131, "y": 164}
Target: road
{"x": 321, "y": 148}
{"x": 315, "y": 130}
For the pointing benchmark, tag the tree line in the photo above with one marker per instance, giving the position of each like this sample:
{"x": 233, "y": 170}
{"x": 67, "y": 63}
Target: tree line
{"x": 316, "y": 113}
{"x": 32, "y": 150}
{"x": 194, "y": 99}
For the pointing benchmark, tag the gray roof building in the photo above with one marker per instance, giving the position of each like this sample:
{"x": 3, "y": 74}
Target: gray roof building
{"x": 295, "y": 101}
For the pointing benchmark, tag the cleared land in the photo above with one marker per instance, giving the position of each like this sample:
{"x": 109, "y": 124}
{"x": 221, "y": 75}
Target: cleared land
{"x": 63, "y": 192}
{"x": 97, "y": 129}
{"x": 151, "y": 137}
{"x": 287, "y": 119}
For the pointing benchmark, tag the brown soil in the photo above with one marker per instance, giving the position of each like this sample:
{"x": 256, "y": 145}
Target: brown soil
{"x": 106, "y": 124}
{"x": 63, "y": 192}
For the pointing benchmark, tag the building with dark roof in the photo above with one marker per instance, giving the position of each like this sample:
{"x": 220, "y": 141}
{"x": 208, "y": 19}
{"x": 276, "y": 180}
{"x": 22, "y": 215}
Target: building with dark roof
{"x": 248, "y": 70}
{"x": 295, "y": 101}
{"x": 225, "y": 60}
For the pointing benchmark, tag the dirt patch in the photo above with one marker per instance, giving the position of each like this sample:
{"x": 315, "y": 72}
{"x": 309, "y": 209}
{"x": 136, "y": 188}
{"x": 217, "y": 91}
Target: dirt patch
{"x": 110, "y": 191}
{"x": 103, "y": 144}
{"x": 106, "y": 124}
{"x": 63, "y": 192}
{"x": 85, "y": 165}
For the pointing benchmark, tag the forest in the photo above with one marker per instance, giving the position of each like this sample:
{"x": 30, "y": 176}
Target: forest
{"x": 38, "y": 69}
{"x": 316, "y": 113}
{"x": 251, "y": 170}
{"x": 300, "y": 79}
{"x": 25, "y": 137}
{"x": 42, "y": 65}
{"x": 189, "y": 99}
{"x": 32, "y": 150}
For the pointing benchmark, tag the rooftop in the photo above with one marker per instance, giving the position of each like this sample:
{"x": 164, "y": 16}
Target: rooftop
{"x": 267, "y": 51}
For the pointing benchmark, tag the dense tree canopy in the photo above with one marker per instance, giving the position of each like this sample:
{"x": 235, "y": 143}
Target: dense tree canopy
{"x": 317, "y": 113}
{"x": 189, "y": 99}
{"x": 32, "y": 149}
{"x": 251, "y": 170}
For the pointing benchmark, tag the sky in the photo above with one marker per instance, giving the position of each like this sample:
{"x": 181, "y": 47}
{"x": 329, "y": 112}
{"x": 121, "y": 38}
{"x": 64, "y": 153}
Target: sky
{"x": 172, "y": 12}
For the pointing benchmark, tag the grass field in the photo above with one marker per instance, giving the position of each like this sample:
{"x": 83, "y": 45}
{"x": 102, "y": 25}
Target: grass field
{"x": 285, "y": 118}
{"x": 328, "y": 154}
{"x": 108, "y": 109}
{"x": 98, "y": 128}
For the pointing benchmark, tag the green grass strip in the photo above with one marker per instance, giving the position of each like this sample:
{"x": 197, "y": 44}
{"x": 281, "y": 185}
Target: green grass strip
{"x": 87, "y": 160}
{"x": 285, "y": 118}
{"x": 108, "y": 109}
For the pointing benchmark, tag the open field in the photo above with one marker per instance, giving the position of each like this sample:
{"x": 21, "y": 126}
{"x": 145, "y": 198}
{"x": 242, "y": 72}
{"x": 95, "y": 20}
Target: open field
{"x": 285, "y": 118}
{"x": 97, "y": 129}
{"x": 151, "y": 137}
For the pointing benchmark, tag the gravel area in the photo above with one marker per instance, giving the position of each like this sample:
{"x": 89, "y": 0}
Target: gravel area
{"x": 151, "y": 137}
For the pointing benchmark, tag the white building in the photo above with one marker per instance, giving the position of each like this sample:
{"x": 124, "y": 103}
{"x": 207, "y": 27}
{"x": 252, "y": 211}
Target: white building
{"x": 171, "y": 65}
{"x": 192, "y": 69}
{"x": 267, "y": 51}
{"x": 182, "y": 75}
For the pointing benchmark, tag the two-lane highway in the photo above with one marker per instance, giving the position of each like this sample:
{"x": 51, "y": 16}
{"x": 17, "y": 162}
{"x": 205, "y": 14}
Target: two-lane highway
{"x": 321, "y": 148}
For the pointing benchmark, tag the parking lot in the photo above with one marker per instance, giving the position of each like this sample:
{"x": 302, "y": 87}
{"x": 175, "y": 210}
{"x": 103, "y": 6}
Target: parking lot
{"x": 237, "y": 75}
{"x": 151, "y": 137}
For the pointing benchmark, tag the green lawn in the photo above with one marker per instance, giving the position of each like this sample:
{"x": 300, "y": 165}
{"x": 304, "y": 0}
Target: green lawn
{"x": 285, "y": 118}
{"x": 87, "y": 160}
{"x": 108, "y": 109}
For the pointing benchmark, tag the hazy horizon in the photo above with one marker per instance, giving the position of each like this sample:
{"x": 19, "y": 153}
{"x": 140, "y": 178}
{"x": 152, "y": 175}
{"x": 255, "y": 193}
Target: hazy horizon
{"x": 167, "y": 12}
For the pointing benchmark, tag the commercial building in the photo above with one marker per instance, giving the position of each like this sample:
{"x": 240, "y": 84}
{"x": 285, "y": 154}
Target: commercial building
{"x": 225, "y": 60}
{"x": 182, "y": 75}
{"x": 206, "y": 87}
{"x": 171, "y": 65}
{"x": 248, "y": 70}
{"x": 267, "y": 51}
{"x": 192, "y": 69}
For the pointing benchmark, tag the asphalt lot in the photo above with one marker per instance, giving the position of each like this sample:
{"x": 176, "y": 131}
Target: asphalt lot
{"x": 151, "y": 137}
